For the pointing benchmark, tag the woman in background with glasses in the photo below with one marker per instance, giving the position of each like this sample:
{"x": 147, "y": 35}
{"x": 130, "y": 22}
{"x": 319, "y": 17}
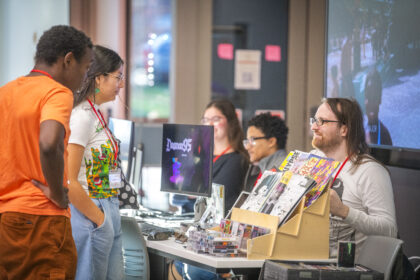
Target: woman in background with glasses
{"x": 230, "y": 163}
{"x": 94, "y": 173}
{"x": 266, "y": 143}
{"x": 230, "y": 159}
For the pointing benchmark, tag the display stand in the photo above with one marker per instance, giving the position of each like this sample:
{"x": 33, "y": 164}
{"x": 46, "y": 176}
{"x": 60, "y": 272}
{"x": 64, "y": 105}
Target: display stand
{"x": 304, "y": 236}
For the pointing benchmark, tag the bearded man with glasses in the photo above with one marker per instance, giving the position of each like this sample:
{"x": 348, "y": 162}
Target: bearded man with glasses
{"x": 361, "y": 198}
{"x": 265, "y": 143}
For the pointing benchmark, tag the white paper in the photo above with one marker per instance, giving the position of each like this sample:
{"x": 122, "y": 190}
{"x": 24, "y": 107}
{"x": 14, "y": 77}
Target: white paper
{"x": 247, "y": 69}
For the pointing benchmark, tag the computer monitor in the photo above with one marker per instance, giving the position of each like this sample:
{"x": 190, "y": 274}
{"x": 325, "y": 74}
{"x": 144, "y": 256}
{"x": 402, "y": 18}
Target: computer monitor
{"x": 373, "y": 56}
{"x": 124, "y": 132}
{"x": 187, "y": 159}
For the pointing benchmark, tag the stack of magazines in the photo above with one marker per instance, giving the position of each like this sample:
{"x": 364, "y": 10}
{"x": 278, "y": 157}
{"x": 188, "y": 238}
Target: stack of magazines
{"x": 318, "y": 168}
{"x": 301, "y": 175}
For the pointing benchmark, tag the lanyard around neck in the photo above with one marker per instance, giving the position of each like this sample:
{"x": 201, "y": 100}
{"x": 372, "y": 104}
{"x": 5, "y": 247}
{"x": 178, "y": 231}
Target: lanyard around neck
{"x": 339, "y": 170}
{"x": 108, "y": 133}
{"x": 42, "y": 72}
{"x": 224, "y": 152}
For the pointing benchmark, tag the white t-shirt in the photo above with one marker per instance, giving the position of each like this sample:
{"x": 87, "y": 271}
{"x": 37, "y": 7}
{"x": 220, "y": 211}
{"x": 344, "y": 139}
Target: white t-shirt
{"x": 99, "y": 156}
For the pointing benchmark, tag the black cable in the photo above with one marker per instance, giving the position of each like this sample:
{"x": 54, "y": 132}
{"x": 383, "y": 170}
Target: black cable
{"x": 170, "y": 268}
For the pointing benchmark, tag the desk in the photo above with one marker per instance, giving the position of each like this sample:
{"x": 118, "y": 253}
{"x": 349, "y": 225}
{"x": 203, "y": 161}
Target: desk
{"x": 160, "y": 252}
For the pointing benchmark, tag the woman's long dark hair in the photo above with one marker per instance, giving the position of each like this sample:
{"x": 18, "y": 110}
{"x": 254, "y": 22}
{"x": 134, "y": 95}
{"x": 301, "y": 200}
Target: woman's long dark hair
{"x": 235, "y": 133}
{"x": 104, "y": 61}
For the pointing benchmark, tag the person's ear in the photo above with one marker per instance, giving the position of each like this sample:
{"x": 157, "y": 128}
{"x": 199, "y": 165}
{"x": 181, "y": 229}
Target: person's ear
{"x": 272, "y": 142}
{"x": 98, "y": 81}
{"x": 344, "y": 130}
{"x": 68, "y": 59}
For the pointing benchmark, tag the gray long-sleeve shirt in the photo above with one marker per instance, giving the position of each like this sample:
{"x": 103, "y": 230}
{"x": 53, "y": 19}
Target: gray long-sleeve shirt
{"x": 368, "y": 194}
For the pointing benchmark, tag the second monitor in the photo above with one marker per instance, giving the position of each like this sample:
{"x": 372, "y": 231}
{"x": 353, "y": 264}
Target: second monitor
{"x": 187, "y": 159}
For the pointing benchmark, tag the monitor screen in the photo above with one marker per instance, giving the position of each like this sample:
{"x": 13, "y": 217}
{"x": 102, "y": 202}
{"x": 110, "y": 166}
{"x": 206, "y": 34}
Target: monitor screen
{"x": 123, "y": 130}
{"x": 373, "y": 56}
{"x": 187, "y": 159}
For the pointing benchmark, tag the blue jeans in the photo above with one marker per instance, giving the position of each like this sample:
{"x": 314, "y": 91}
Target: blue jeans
{"x": 99, "y": 250}
{"x": 194, "y": 273}
{"x": 186, "y": 204}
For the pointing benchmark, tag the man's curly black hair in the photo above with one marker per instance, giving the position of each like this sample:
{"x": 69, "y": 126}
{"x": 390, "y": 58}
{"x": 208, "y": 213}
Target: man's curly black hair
{"x": 271, "y": 126}
{"x": 60, "y": 40}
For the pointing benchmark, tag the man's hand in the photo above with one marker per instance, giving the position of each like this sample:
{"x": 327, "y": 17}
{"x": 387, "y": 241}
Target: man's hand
{"x": 62, "y": 201}
{"x": 337, "y": 208}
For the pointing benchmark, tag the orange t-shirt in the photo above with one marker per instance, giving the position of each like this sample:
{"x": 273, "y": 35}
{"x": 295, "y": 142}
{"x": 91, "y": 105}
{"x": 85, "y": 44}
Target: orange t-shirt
{"x": 24, "y": 104}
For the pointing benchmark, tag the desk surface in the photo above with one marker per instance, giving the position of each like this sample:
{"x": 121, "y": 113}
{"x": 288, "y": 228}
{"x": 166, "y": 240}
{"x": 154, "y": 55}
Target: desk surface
{"x": 170, "y": 248}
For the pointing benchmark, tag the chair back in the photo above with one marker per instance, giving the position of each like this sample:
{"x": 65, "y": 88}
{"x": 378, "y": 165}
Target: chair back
{"x": 415, "y": 262}
{"x": 379, "y": 253}
{"x": 136, "y": 258}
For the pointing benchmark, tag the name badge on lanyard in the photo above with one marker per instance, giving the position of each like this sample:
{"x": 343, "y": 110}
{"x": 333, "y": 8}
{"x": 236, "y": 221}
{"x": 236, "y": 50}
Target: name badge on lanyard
{"x": 115, "y": 178}
{"x": 114, "y": 175}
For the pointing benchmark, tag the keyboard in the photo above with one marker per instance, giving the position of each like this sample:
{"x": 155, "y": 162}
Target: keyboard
{"x": 147, "y": 228}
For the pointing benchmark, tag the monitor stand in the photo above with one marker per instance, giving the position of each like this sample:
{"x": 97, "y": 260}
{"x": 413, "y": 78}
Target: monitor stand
{"x": 210, "y": 211}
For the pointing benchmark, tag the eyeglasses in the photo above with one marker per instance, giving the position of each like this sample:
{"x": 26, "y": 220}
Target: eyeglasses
{"x": 320, "y": 122}
{"x": 119, "y": 77}
{"x": 213, "y": 120}
{"x": 251, "y": 141}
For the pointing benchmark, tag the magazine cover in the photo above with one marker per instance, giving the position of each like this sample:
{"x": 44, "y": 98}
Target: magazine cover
{"x": 268, "y": 205}
{"x": 299, "y": 161}
{"x": 306, "y": 168}
{"x": 292, "y": 194}
{"x": 322, "y": 174}
{"x": 322, "y": 170}
{"x": 288, "y": 161}
{"x": 261, "y": 191}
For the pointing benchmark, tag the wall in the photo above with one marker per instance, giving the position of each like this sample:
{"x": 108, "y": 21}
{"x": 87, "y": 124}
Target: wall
{"x": 104, "y": 21}
{"x": 22, "y": 22}
{"x": 305, "y": 69}
{"x": 251, "y": 25}
{"x": 191, "y": 60}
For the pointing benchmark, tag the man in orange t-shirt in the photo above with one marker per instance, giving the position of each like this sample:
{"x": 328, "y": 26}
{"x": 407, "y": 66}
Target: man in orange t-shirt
{"x": 35, "y": 231}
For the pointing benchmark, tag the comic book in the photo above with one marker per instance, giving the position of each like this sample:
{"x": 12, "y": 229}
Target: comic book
{"x": 261, "y": 191}
{"x": 268, "y": 205}
{"x": 322, "y": 174}
{"x": 297, "y": 186}
{"x": 288, "y": 161}
{"x": 322, "y": 169}
{"x": 306, "y": 168}
{"x": 300, "y": 160}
